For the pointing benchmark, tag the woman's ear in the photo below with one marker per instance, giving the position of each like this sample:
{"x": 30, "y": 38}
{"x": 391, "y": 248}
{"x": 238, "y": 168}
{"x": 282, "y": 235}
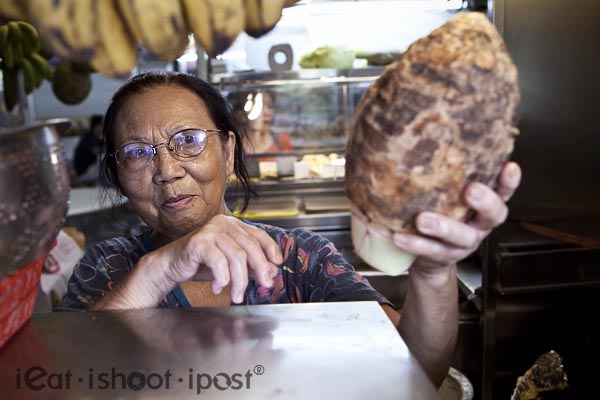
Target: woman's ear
{"x": 229, "y": 153}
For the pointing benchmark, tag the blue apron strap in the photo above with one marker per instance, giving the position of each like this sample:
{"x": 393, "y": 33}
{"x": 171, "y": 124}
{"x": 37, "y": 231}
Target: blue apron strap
{"x": 177, "y": 292}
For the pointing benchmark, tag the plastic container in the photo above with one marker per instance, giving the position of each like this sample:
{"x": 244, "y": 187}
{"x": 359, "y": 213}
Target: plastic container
{"x": 17, "y": 297}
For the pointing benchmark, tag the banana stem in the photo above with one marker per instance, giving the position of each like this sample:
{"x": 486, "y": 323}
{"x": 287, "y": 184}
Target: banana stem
{"x": 25, "y": 116}
{"x": 20, "y": 114}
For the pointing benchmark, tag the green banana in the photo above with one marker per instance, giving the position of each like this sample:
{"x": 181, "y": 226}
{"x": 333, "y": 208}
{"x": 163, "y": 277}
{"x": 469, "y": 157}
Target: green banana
{"x": 40, "y": 64}
{"x": 11, "y": 88}
{"x": 26, "y": 47}
{"x": 29, "y": 77}
{"x": 30, "y": 36}
{"x": 3, "y": 38}
{"x": 8, "y": 58}
{"x": 15, "y": 32}
{"x": 38, "y": 73}
{"x": 14, "y": 46}
{"x": 18, "y": 51}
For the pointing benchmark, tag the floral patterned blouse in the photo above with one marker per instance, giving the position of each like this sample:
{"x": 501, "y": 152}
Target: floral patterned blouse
{"x": 313, "y": 270}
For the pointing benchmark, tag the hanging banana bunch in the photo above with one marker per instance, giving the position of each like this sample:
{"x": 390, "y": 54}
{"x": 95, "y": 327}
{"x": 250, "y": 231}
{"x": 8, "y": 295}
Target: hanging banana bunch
{"x": 217, "y": 23}
{"x": 20, "y": 48}
{"x": 106, "y": 33}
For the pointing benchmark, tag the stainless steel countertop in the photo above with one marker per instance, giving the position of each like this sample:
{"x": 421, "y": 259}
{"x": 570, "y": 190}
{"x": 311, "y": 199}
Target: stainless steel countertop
{"x": 470, "y": 277}
{"x": 87, "y": 200}
{"x": 304, "y": 351}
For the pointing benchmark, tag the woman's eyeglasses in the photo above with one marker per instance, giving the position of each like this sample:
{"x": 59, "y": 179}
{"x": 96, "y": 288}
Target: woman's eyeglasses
{"x": 185, "y": 144}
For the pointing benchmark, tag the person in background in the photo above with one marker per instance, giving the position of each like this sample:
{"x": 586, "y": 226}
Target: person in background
{"x": 171, "y": 144}
{"x": 89, "y": 148}
{"x": 255, "y": 110}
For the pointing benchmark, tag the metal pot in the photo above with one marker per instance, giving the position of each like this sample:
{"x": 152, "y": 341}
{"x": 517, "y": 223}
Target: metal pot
{"x": 456, "y": 386}
{"x": 34, "y": 190}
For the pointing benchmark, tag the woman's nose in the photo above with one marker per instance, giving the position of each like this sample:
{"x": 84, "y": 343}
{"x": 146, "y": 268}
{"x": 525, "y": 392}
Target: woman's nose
{"x": 167, "y": 167}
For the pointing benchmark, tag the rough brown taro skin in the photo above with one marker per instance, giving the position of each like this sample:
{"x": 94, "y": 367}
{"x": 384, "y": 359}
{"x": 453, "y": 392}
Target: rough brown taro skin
{"x": 439, "y": 117}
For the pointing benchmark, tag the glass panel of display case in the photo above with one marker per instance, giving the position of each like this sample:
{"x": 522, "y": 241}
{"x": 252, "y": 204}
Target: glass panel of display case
{"x": 296, "y": 123}
{"x": 313, "y": 113}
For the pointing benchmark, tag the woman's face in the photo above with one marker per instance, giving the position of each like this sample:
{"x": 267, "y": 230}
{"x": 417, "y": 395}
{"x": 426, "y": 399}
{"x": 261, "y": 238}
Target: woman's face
{"x": 267, "y": 111}
{"x": 174, "y": 196}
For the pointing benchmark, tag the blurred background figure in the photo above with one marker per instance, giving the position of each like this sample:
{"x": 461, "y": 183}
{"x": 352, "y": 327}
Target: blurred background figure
{"x": 88, "y": 150}
{"x": 254, "y": 111}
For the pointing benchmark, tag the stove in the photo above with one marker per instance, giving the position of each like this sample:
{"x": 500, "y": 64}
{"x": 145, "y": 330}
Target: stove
{"x": 536, "y": 294}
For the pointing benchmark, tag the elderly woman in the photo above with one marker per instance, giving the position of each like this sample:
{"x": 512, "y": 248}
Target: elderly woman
{"x": 171, "y": 144}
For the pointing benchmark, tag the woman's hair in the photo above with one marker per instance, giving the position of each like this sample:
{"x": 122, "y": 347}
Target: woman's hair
{"x": 218, "y": 109}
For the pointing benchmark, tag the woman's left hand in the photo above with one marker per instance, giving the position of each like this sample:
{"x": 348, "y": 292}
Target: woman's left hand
{"x": 447, "y": 240}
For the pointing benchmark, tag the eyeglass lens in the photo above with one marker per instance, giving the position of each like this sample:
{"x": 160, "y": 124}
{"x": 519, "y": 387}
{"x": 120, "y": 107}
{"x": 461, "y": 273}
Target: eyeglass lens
{"x": 137, "y": 155}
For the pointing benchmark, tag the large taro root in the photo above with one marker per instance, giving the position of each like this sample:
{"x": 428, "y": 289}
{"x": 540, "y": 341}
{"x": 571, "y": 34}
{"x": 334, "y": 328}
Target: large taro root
{"x": 438, "y": 118}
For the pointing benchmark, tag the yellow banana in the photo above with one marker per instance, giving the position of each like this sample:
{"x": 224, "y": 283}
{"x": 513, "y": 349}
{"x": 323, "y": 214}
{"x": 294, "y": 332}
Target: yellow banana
{"x": 215, "y": 23}
{"x": 262, "y": 15}
{"x": 30, "y": 36}
{"x": 13, "y": 10}
{"x": 87, "y": 35}
{"x": 129, "y": 15}
{"x": 158, "y": 25}
{"x": 68, "y": 27}
{"x": 29, "y": 77}
{"x": 115, "y": 53}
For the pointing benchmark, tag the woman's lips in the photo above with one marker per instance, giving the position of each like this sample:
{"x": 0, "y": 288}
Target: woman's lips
{"x": 178, "y": 202}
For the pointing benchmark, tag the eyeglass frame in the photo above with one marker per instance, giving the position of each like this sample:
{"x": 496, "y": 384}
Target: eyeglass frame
{"x": 170, "y": 148}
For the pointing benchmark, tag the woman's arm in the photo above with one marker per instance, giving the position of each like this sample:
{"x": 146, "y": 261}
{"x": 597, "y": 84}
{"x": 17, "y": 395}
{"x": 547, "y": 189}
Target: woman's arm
{"x": 429, "y": 317}
{"x": 143, "y": 287}
{"x": 224, "y": 251}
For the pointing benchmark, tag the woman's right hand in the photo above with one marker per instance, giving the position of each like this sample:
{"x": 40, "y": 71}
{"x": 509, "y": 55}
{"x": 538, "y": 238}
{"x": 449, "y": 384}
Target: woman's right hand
{"x": 225, "y": 251}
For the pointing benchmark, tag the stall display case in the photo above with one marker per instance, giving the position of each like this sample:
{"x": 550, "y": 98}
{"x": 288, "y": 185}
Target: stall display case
{"x": 312, "y": 110}
{"x": 311, "y": 117}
